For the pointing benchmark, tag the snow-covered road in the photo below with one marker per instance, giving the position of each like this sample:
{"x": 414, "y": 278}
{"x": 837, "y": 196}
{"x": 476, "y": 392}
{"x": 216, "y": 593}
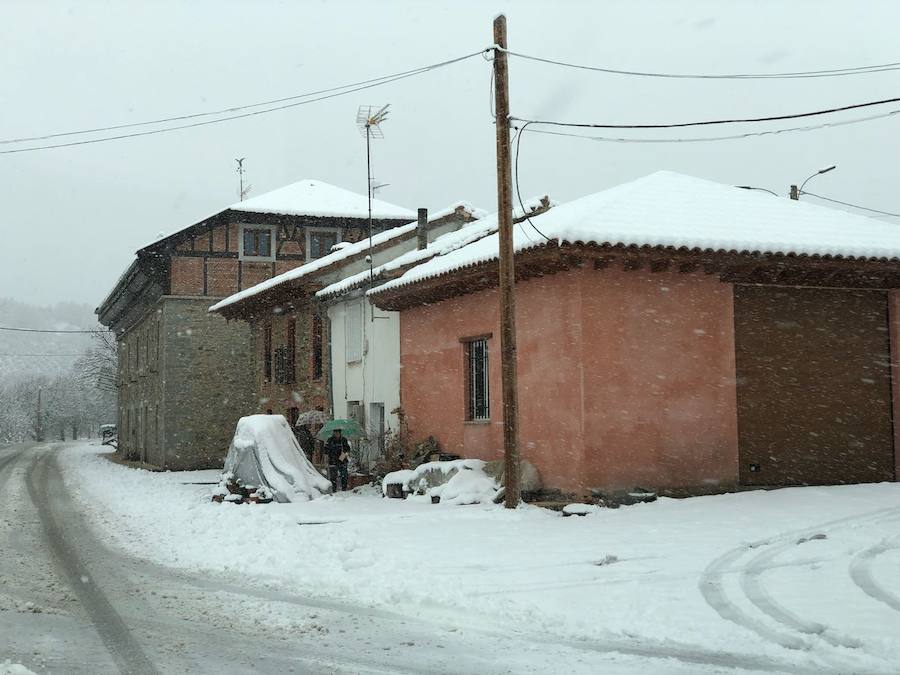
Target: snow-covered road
{"x": 70, "y": 603}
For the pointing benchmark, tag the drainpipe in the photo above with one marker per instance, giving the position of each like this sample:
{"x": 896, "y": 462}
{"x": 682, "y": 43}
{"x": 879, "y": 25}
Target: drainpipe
{"x": 422, "y": 230}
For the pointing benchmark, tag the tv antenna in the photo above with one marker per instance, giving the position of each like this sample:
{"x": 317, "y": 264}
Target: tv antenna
{"x": 242, "y": 191}
{"x": 368, "y": 120}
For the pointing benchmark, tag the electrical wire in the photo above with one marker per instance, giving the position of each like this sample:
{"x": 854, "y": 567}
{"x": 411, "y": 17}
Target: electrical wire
{"x": 516, "y": 182}
{"x": 335, "y": 92}
{"x": 41, "y": 330}
{"x": 703, "y": 123}
{"x": 522, "y": 229}
{"x": 42, "y": 355}
{"x": 835, "y": 72}
{"x": 855, "y": 206}
{"x": 708, "y": 139}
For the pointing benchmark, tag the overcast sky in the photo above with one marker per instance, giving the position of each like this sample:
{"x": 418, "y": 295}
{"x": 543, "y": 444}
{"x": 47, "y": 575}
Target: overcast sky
{"x": 73, "y": 217}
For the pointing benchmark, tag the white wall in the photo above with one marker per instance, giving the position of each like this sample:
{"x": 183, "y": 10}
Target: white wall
{"x": 376, "y": 377}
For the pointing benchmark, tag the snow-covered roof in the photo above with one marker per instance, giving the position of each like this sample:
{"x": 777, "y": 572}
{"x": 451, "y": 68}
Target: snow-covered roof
{"x": 442, "y": 245}
{"x": 347, "y": 250}
{"x": 309, "y": 197}
{"x": 673, "y": 210}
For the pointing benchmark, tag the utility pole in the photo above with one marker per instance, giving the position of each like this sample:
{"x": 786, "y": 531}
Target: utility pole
{"x": 795, "y": 193}
{"x": 39, "y": 424}
{"x": 507, "y": 269}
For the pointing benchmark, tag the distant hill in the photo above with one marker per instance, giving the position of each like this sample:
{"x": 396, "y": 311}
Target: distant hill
{"x": 23, "y": 354}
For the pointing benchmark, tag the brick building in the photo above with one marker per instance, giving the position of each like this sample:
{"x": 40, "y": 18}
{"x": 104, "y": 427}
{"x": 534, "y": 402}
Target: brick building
{"x": 185, "y": 375}
{"x": 673, "y": 333}
{"x": 331, "y": 352}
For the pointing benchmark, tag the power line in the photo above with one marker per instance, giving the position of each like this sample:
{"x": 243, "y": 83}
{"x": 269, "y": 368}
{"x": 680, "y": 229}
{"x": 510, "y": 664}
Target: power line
{"x": 516, "y": 182}
{"x": 41, "y": 330}
{"x": 835, "y": 72}
{"x": 735, "y": 120}
{"x": 855, "y": 206}
{"x": 708, "y": 139}
{"x": 334, "y": 93}
{"x": 43, "y": 355}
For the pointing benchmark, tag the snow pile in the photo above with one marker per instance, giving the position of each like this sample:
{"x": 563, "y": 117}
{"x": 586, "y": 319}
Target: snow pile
{"x": 403, "y": 477}
{"x": 458, "y": 482}
{"x": 10, "y": 668}
{"x": 580, "y": 509}
{"x": 265, "y": 454}
{"x": 467, "y": 486}
{"x": 674, "y": 210}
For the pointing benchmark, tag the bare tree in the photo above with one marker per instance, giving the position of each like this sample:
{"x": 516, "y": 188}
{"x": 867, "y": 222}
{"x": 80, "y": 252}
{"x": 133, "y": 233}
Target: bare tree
{"x": 98, "y": 367}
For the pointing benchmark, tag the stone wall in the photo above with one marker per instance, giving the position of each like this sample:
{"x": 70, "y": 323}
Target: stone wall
{"x": 208, "y": 378}
{"x": 140, "y": 388}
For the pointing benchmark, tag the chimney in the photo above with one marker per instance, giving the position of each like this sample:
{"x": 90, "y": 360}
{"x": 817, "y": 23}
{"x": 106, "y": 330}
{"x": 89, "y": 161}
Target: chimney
{"x": 422, "y": 230}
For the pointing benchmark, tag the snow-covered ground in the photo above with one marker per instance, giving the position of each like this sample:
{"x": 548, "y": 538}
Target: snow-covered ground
{"x": 800, "y": 580}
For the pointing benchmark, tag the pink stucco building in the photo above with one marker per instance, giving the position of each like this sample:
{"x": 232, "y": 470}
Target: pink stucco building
{"x": 675, "y": 333}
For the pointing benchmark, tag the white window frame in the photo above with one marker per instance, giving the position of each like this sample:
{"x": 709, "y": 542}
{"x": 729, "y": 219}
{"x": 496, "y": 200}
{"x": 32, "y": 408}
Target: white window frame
{"x": 326, "y": 230}
{"x": 273, "y": 229}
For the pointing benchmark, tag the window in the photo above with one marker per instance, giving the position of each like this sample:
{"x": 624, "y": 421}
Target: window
{"x": 267, "y": 352}
{"x": 319, "y": 242}
{"x": 257, "y": 242}
{"x": 292, "y": 350}
{"x": 317, "y": 346}
{"x": 285, "y": 355}
{"x": 478, "y": 405}
{"x": 353, "y": 332}
{"x": 282, "y": 370}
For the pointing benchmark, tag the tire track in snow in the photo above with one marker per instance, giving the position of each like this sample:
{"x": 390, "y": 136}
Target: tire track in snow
{"x": 121, "y": 644}
{"x": 861, "y": 573}
{"x": 711, "y": 586}
{"x": 751, "y": 584}
{"x": 712, "y": 589}
{"x": 5, "y": 462}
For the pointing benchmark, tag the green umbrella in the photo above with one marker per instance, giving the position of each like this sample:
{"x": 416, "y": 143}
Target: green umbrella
{"x": 349, "y": 428}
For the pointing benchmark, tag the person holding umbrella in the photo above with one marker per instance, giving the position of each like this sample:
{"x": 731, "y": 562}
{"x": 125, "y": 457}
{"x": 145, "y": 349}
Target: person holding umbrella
{"x": 337, "y": 451}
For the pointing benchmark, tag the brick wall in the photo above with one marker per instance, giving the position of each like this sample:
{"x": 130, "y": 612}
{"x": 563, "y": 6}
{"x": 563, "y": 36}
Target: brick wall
{"x": 306, "y": 392}
{"x": 187, "y": 276}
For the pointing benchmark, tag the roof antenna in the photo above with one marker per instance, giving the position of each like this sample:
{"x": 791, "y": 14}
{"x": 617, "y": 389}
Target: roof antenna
{"x": 368, "y": 120}
{"x": 242, "y": 191}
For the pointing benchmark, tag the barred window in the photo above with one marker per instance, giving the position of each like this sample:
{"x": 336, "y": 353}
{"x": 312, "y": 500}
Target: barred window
{"x": 478, "y": 405}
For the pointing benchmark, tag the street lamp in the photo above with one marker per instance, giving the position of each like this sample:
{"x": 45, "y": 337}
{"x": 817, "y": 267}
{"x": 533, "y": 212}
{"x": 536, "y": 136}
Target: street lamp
{"x": 795, "y": 192}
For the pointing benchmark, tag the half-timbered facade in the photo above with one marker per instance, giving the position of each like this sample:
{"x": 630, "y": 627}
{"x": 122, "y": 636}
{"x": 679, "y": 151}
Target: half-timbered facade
{"x": 186, "y": 375}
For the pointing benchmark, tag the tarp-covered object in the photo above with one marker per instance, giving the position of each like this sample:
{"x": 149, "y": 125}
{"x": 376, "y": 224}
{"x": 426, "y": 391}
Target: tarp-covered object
{"x": 265, "y": 453}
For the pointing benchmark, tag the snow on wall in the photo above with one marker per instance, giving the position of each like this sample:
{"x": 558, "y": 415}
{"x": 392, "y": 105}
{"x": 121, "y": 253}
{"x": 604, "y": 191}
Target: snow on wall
{"x": 671, "y": 209}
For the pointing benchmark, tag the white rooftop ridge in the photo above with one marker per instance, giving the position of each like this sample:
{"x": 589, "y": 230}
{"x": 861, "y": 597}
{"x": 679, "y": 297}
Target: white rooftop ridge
{"x": 450, "y": 241}
{"x": 339, "y": 254}
{"x": 307, "y": 197}
{"x": 310, "y": 197}
{"x": 673, "y": 210}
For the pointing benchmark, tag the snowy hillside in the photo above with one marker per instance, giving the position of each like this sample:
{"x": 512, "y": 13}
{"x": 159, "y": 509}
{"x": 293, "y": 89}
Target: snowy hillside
{"x": 44, "y": 354}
